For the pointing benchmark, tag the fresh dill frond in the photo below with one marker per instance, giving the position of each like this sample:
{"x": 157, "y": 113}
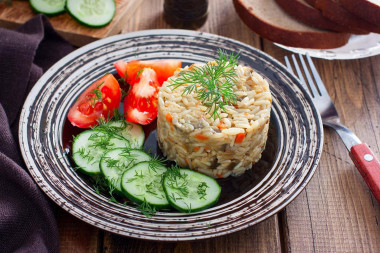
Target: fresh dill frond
{"x": 123, "y": 94}
{"x": 127, "y": 155}
{"x": 146, "y": 209}
{"x": 111, "y": 189}
{"x": 101, "y": 185}
{"x": 122, "y": 80}
{"x": 188, "y": 206}
{"x": 107, "y": 123}
{"x": 156, "y": 162}
{"x": 101, "y": 139}
{"x": 101, "y": 121}
{"x": 95, "y": 95}
{"x": 136, "y": 176}
{"x": 201, "y": 190}
{"x": 111, "y": 163}
{"x": 139, "y": 72}
{"x": 117, "y": 115}
{"x": 150, "y": 188}
{"x": 213, "y": 82}
{"x": 85, "y": 155}
{"x": 177, "y": 181}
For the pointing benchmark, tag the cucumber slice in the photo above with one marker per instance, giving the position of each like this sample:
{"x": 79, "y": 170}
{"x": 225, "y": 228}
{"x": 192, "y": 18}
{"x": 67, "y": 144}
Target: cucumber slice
{"x": 134, "y": 133}
{"x": 90, "y": 145}
{"x": 95, "y": 13}
{"x": 116, "y": 161}
{"x": 143, "y": 182}
{"x": 190, "y": 191}
{"x": 48, "y": 7}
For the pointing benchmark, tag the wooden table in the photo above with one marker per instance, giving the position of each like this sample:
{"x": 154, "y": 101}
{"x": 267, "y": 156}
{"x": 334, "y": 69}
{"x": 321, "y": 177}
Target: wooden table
{"x": 335, "y": 213}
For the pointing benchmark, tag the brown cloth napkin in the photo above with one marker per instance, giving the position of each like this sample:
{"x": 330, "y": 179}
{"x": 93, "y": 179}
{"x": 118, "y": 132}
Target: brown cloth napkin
{"x": 27, "y": 223}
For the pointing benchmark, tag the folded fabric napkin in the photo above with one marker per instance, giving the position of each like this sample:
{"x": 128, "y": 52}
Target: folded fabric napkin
{"x": 27, "y": 222}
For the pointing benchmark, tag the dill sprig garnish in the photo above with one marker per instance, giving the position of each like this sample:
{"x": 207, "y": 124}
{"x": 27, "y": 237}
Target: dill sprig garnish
{"x": 101, "y": 139}
{"x": 177, "y": 181}
{"x": 156, "y": 162}
{"x": 146, "y": 209}
{"x": 85, "y": 155}
{"x": 136, "y": 176}
{"x": 102, "y": 185}
{"x": 127, "y": 155}
{"x": 213, "y": 82}
{"x": 201, "y": 190}
{"x": 107, "y": 125}
{"x": 151, "y": 188}
{"x": 95, "y": 95}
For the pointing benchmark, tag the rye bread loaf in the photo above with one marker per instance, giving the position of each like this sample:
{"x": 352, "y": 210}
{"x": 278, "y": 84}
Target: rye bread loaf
{"x": 366, "y": 9}
{"x": 268, "y": 20}
{"x": 334, "y": 10}
{"x": 304, "y": 12}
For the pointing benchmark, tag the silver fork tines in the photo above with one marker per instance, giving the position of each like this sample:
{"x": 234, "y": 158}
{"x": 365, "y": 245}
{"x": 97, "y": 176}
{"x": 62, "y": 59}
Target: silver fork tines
{"x": 321, "y": 98}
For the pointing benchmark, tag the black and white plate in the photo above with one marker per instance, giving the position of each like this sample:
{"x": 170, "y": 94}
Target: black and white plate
{"x": 288, "y": 163}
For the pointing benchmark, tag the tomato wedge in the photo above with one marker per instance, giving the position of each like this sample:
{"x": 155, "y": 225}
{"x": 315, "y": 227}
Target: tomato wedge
{"x": 140, "y": 105}
{"x": 163, "y": 68}
{"x": 97, "y": 101}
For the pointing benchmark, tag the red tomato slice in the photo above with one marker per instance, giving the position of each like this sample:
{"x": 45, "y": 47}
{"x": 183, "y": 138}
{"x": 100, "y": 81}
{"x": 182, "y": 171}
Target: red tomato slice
{"x": 140, "y": 105}
{"x": 163, "y": 68}
{"x": 97, "y": 101}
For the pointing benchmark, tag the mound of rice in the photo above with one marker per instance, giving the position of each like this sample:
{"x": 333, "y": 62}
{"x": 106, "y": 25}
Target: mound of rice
{"x": 219, "y": 147}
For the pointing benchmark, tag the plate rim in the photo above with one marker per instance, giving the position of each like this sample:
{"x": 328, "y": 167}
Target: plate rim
{"x": 327, "y": 53}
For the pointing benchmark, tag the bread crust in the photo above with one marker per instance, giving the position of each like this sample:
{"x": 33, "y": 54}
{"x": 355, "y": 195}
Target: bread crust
{"x": 301, "y": 10}
{"x": 334, "y": 10}
{"x": 364, "y": 9}
{"x": 317, "y": 39}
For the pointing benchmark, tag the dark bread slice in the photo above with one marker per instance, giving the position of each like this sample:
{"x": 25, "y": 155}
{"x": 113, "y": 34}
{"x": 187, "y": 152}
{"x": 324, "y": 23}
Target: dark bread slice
{"x": 366, "y": 9}
{"x": 267, "y": 19}
{"x": 333, "y": 9}
{"x": 306, "y": 13}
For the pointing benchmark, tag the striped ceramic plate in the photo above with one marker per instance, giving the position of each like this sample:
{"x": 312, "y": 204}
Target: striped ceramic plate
{"x": 288, "y": 162}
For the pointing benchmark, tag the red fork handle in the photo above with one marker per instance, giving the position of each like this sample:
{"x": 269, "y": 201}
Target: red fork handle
{"x": 368, "y": 166}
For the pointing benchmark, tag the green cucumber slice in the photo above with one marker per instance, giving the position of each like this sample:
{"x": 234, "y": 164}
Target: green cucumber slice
{"x": 116, "y": 161}
{"x": 48, "y": 7}
{"x": 94, "y": 13}
{"x": 143, "y": 183}
{"x": 89, "y": 146}
{"x": 134, "y": 133}
{"x": 190, "y": 191}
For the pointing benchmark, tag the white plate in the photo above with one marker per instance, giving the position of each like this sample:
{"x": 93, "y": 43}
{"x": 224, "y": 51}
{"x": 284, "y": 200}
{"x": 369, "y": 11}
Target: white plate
{"x": 359, "y": 46}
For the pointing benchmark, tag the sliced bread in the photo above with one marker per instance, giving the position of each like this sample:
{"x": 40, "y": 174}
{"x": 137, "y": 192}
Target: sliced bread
{"x": 268, "y": 20}
{"x": 366, "y": 9}
{"x": 334, "y": 10}
{"x": 304, "y": 12}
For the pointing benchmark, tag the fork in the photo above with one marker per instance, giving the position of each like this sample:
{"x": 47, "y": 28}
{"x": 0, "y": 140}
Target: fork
{"x": 360, "y": 153}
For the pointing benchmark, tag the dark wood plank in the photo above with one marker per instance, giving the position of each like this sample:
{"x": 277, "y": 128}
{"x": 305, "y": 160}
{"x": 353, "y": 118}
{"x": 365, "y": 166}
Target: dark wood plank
{"x": 263, "y": 237}
{"x": 336, "y": 212}
{"x": 76, "y": 235}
